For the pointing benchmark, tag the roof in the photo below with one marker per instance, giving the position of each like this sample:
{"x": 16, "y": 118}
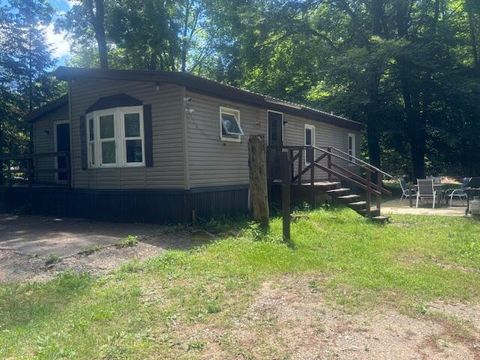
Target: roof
{"x": 113, "y": 101}
{"x": 209, "y": 87}
{"x": 48, "y": 108}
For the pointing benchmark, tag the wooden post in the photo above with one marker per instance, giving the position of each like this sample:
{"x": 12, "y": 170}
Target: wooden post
{"x": 312, "y": 177}
{"x": 369, "y": 192}
{"x": 300, "y": 166}
{"x": 257, "y": 163}
{"x": 329, "y": 163}
{"x": 379, "y": 188}
{"x": 284, "y": 161}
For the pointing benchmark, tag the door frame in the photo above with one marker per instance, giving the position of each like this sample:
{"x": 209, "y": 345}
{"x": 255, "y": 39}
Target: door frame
{"x": 268, "y": 126}
{"x": 55, "y": 146}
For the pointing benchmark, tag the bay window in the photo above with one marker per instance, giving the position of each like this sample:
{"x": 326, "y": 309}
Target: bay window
{"x": 116, "y": 137}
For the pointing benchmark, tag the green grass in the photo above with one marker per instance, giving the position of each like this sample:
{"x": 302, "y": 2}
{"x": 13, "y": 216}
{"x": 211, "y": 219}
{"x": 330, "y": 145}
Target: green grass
{"x": 143, "y": 309}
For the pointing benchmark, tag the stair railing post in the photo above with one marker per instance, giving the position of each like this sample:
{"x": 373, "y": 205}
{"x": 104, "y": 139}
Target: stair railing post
{"x": 369, "y": 191}
{"x": 292, "y": 171}
{"x": 312, "y": 176}
{"x": 379, "y": 188}
{"x": 286, "y": 183}
{"x": 300, "y": 165}
{"x": 329, "y": 163}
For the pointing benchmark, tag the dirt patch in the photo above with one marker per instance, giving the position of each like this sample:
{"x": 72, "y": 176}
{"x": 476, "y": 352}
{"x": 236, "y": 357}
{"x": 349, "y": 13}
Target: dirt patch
{"x": 95, "y": 260}
{"x": 289, "y": 319}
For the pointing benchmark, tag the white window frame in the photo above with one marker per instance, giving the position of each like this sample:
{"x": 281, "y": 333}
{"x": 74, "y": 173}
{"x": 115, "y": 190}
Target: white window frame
{"x": 312, "y": 129}
{"x": 352, "y": 153}
{"x": 119, "y": 137}
{"x": 236, "y": 114}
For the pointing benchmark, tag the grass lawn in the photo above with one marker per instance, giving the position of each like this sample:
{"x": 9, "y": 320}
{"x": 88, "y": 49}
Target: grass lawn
{"x": 160, "y": 308}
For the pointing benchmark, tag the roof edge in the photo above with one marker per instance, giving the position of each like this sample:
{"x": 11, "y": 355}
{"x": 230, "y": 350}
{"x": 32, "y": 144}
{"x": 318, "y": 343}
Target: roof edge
{"x": 213, "y": 88}
{"x": 47, "y": 108}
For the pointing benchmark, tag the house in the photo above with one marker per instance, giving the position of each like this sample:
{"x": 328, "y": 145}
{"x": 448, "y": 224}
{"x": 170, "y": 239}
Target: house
{"x": 158, "y": 146}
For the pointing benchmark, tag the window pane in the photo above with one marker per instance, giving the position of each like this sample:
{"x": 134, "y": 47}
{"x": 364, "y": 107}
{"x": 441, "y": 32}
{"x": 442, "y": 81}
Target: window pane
{"x": 92, "y": 153}
{"x": 107, "y": 128}
{"x": 132, "y": 125}
{"x": 108, "y": 152}
{"x": 230, "y": 125}
{"x": 134, "y": 151}
{"x": 308, "y": 136}
{"x": 91, "y": 133}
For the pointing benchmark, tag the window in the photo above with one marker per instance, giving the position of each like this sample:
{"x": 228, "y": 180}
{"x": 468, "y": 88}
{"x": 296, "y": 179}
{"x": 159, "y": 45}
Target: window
{"x": 351, "y": 147}
{"x": 115, "y": 137}
{"x": 230, "y": 129}
{"x": 309, "y": 141}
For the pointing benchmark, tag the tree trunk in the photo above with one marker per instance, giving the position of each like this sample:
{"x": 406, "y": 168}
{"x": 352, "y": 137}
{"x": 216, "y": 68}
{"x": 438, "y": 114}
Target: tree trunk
{"x": 473, "y": 35}
{"x": 97, "y": 19}
{"x": 100, "y": 33}
{"x": 257, "y": 163}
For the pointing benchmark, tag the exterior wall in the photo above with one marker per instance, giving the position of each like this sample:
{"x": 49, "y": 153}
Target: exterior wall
{"x": 44, "y": 142}
{"x": 213, "y": 162}
{"x": 325, "y": 135}
{"x": 168, "y": 136}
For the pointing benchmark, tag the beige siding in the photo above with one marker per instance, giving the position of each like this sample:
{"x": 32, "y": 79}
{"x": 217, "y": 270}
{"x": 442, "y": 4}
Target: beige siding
{"x": 43, "y": 141}
{"x": 213, "y": 162}
{"x": 167, "y": 125}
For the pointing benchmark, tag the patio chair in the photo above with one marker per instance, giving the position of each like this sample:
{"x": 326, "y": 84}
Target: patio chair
{"x": 458, "y": 193}
{"x": 406, "y": 192}
{"x": 426, "y": 190}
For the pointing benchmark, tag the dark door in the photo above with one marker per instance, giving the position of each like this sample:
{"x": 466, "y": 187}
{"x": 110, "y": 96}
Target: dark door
{"x": 275, "y": 143}
{"x": 62, "y": 134}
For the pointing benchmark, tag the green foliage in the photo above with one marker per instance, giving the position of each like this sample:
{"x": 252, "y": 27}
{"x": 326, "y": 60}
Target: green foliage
{"x": 129, "y": 241}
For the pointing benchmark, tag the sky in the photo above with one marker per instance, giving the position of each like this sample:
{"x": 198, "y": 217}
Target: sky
{"x": 60, "y": 45}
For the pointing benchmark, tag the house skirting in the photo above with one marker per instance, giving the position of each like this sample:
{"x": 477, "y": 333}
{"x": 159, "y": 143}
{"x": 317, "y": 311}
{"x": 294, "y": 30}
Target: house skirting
{"x": 138, "y": 205}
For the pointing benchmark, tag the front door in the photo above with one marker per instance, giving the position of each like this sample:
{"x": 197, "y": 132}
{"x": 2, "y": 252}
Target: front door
{"x": 275, "y": 143}
{"x": 62, "y": 141}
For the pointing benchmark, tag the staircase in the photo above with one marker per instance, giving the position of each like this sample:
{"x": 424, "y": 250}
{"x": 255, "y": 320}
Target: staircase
{"x": 351, "y": 181}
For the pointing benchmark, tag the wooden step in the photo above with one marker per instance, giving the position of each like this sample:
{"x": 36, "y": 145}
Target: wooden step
{"x": 322, "y": 185}
{"x": 381, "y": 219}
{"x": 338, "y": 192}
{"x": 358, "y": 205}
{"x": 373, "y": 212}
{"x": 349, "y": 198}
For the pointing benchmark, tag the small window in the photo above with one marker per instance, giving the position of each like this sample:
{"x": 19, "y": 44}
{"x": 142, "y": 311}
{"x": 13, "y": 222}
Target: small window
{"x": 230, "y": 128}
{"x": 351, "y": 147}
{"x": 133, "y": 139}
{"x": 309, "y": 141}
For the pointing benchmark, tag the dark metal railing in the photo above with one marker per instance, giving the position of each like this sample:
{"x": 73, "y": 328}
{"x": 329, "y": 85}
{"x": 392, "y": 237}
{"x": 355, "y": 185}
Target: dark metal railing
{"x": 26, "y": 168}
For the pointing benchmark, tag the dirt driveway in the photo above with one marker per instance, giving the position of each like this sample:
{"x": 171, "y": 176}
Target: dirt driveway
{"x": 37, "y": 247}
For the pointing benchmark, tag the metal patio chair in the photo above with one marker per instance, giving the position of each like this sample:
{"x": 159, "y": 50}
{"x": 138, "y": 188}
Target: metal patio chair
{"x": 459, "y": 193}
{"x": 426, "y": 190}
{"x": 406, "y": 192}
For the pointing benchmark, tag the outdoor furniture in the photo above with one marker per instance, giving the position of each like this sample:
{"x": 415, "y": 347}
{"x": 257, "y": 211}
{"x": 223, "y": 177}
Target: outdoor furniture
{"x": 406, "y": 192}
{"x": 426, "y": 190}
{"x": 458, "y": 193}
{"x": 472, "y": 189}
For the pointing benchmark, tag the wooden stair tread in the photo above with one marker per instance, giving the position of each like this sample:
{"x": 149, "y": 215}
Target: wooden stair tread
{"x": 337, "y": 191}
{"x": 381, "y": 219}
{"x": 357, "y": 203}
{"x": 349, "y": 197}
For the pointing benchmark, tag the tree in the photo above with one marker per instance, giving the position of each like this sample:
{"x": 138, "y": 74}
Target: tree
{"x": 25, "y": 60}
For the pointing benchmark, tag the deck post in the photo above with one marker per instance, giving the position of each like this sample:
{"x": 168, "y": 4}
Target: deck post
{"x": 300, "y": 166}
{"x": 329, "y": 163}
{"x": 257, "y": 164}
{"x": 369, "y": 191}
{"x": 312, "y": 176}
{"x": 286, "y": 182}
{"x": 379, "y": 188}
